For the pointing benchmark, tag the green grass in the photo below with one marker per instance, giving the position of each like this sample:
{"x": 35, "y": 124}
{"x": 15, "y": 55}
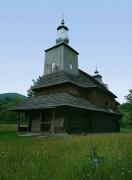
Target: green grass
{"x": 27, "y": 158}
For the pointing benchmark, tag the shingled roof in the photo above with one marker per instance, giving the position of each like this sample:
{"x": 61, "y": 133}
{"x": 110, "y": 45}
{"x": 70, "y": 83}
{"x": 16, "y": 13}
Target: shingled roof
{"x": 82, "y": 79}
{"x": 59, "y": 100}
{"x": 59, "y": 44}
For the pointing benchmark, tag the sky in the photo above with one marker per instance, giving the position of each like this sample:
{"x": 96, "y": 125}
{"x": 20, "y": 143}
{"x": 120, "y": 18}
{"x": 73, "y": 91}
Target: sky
{"x": 100, "y": 30}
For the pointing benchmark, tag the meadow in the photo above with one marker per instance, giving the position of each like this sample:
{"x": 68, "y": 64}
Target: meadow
{"x": 65, "y": 158}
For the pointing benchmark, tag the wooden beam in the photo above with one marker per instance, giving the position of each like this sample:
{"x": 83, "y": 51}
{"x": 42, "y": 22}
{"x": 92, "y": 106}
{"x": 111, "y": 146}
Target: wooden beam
{"x": 53, "y": 121}
{"x": 40, "y": 119}
{"x": 18, "y": 122}
{"x": 29, "y": 123}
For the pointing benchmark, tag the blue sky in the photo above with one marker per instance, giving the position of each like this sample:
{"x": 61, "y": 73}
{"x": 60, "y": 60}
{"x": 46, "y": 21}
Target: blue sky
{"x": 100, "y": 30}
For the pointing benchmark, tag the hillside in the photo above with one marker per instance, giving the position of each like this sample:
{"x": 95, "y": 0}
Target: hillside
{"x": 9, "y": 95}
{"x": 8, "y": 101}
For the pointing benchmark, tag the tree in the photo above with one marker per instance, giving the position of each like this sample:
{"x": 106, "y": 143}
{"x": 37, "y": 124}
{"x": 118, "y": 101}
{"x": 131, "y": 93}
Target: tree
{"x": 129, "y": 96}
{"x": 1, "y": 105}
{"x": 126, "y": 110}
{"x": 30, "y": 92}
{"x": 5, "y": 115}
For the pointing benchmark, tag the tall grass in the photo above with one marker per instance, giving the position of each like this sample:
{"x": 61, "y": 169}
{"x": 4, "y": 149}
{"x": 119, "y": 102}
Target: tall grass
{"x": 25, "y": 158}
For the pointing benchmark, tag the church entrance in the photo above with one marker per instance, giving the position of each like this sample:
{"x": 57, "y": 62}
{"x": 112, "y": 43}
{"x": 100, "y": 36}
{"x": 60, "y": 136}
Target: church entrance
{"x": 46, "y": 120}
{"x": 35, "y": 121}
{"x": 52, "y": 121}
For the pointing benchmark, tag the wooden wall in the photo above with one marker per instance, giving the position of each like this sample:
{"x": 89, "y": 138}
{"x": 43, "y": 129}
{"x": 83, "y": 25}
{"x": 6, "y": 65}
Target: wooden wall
{"x": 101, "y": 98}
{"x": 77, "y": 121}
{"x": 82, "y": 121}
{"x": 94, "y": 95}
{"x": 105, "y": 122}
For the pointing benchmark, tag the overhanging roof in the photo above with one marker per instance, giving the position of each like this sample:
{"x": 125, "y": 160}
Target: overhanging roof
{"x": 59, "y": 100}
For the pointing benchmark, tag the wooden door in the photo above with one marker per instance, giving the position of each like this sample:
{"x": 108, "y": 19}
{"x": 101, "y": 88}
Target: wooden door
{"x": 46, "y": 121}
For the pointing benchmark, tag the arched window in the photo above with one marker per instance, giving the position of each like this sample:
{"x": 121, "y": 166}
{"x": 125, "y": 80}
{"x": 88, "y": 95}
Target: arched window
{"x": 53, "y": 66}
{"x": 71, "y": 67}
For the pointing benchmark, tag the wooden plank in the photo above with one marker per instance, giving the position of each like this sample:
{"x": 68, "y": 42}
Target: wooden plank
{"x": 40, "y": 119}
{"x": 18, "y": 122}
{"x": 29, "y": 123}
{"x": 53, "y": 122}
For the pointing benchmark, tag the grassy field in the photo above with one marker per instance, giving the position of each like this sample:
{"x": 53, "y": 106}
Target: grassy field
{"x": 67, "y": 158}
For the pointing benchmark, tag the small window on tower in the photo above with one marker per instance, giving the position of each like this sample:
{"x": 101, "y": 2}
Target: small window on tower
{"x": 53, "y": 66}
{"x": 71, "y": 66}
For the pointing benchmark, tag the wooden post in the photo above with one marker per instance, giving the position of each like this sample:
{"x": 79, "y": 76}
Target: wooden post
{"x": 18, "y": 122}
{"x": 28, "y": 119}
{"x": 40, "y": 119}
{"x": 53, "y": 122}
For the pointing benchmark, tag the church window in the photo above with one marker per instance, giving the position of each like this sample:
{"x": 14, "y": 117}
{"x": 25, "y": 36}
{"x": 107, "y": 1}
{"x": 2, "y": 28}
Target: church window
{"x": 71, "y": 67}
{"x": 53, "y": 66}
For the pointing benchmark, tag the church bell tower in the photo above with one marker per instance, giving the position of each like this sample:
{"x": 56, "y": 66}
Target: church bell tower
{"x": 61, "y": 57}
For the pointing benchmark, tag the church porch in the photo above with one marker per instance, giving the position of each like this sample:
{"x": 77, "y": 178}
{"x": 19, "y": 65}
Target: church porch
{"x": 41, "y": 122}
{"x": 66, "y": 120}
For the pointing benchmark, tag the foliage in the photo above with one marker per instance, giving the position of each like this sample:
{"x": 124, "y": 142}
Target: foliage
{"x": 30, "y": 92}
{"x": 64, "y": 158}
{"x": 129, "y": 96}
{"x": 6, "y": 104}
{"x": 126, "y": 110}
{"x": 10, "y": 95}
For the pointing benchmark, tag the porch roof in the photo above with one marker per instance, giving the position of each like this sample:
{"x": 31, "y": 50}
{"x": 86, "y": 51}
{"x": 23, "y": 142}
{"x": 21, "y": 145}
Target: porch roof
{"x": 59, "y": 100}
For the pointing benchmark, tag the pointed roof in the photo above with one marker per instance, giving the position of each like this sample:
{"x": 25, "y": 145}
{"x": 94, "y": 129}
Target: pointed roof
{"x": 59, "y": 44}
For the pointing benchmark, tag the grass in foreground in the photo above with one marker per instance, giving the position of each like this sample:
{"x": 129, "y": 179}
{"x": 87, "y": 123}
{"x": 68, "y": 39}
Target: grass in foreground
{"x": 64, "y": 158}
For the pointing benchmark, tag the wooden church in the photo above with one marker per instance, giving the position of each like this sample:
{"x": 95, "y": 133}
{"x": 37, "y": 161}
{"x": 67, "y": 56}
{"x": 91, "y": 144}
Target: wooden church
{"x": 66, "y": 99}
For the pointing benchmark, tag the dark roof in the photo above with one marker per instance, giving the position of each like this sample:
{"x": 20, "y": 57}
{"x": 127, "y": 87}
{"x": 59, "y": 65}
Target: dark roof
{"x": 57, "y": 100}
{"x": 59, "y": 44}
{"x": 62, "y": 26}
{"x": 82, "y": 79}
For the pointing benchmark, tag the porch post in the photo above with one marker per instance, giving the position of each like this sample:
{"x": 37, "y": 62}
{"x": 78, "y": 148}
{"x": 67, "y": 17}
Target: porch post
{"x": 29, "y": 123}
{"x": 40, "y": 119}
{"x": 53, "y": 122}
{"x": 18, "y": 122}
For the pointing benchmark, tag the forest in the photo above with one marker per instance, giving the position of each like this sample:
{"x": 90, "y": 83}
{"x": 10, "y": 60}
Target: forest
{"x": 8, "y": 101}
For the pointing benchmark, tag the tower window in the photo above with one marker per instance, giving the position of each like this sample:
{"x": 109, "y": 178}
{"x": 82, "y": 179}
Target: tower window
{"x": 53, "y": 66}
{"x": 71, "y": 67}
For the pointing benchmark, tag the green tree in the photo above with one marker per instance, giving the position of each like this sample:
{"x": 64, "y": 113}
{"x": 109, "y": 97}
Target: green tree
{"x": 129, "y": 96}
{"x": 30, "y": 92}
{"x": 126, "y": 110}
{"x": 5, "y": 115}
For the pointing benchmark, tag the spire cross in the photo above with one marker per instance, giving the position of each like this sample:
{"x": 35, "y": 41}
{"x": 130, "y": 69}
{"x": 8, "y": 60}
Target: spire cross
{"x": 62, "y": 22}
{"x": 96, "y": 70}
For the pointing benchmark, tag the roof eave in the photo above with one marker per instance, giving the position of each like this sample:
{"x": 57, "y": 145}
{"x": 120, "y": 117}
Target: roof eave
{"x": 59, "y": 44}
{"x": 64, "y": 105}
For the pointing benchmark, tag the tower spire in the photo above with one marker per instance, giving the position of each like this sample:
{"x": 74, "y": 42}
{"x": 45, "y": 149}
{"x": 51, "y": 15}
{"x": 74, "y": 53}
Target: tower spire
{"x": 62, "y": 21}
{"x": 97, "y": 76}
{"x": 62, "y": 33}
{"x": 96, "y": 72}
